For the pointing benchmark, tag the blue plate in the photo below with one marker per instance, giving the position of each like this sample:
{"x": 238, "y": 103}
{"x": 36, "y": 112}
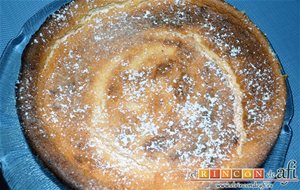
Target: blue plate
{"x": 20, "y": 168}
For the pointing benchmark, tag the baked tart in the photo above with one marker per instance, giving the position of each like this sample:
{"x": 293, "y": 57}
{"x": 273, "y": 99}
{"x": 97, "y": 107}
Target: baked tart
{"x": 137, "y": 94}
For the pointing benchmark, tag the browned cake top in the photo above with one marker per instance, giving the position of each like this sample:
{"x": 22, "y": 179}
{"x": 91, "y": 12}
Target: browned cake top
{"x": 136, "y": 94}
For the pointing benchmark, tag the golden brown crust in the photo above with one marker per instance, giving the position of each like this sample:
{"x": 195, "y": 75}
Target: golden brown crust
{"x": 100, "y": 116}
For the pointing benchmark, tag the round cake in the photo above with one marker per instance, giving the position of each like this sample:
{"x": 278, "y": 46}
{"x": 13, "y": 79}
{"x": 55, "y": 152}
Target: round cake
{"x": 139, "y": 94}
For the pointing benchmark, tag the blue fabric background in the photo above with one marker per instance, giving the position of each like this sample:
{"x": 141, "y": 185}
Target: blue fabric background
{"x": 279, "y": 19}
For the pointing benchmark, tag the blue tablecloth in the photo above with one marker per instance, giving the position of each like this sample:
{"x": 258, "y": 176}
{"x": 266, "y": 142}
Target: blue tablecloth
{"x": 279, "y": 19}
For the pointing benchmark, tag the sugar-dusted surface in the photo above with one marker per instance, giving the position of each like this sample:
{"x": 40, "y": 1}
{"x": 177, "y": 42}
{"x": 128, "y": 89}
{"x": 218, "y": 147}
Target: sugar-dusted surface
{"x": 140, "y": 97}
